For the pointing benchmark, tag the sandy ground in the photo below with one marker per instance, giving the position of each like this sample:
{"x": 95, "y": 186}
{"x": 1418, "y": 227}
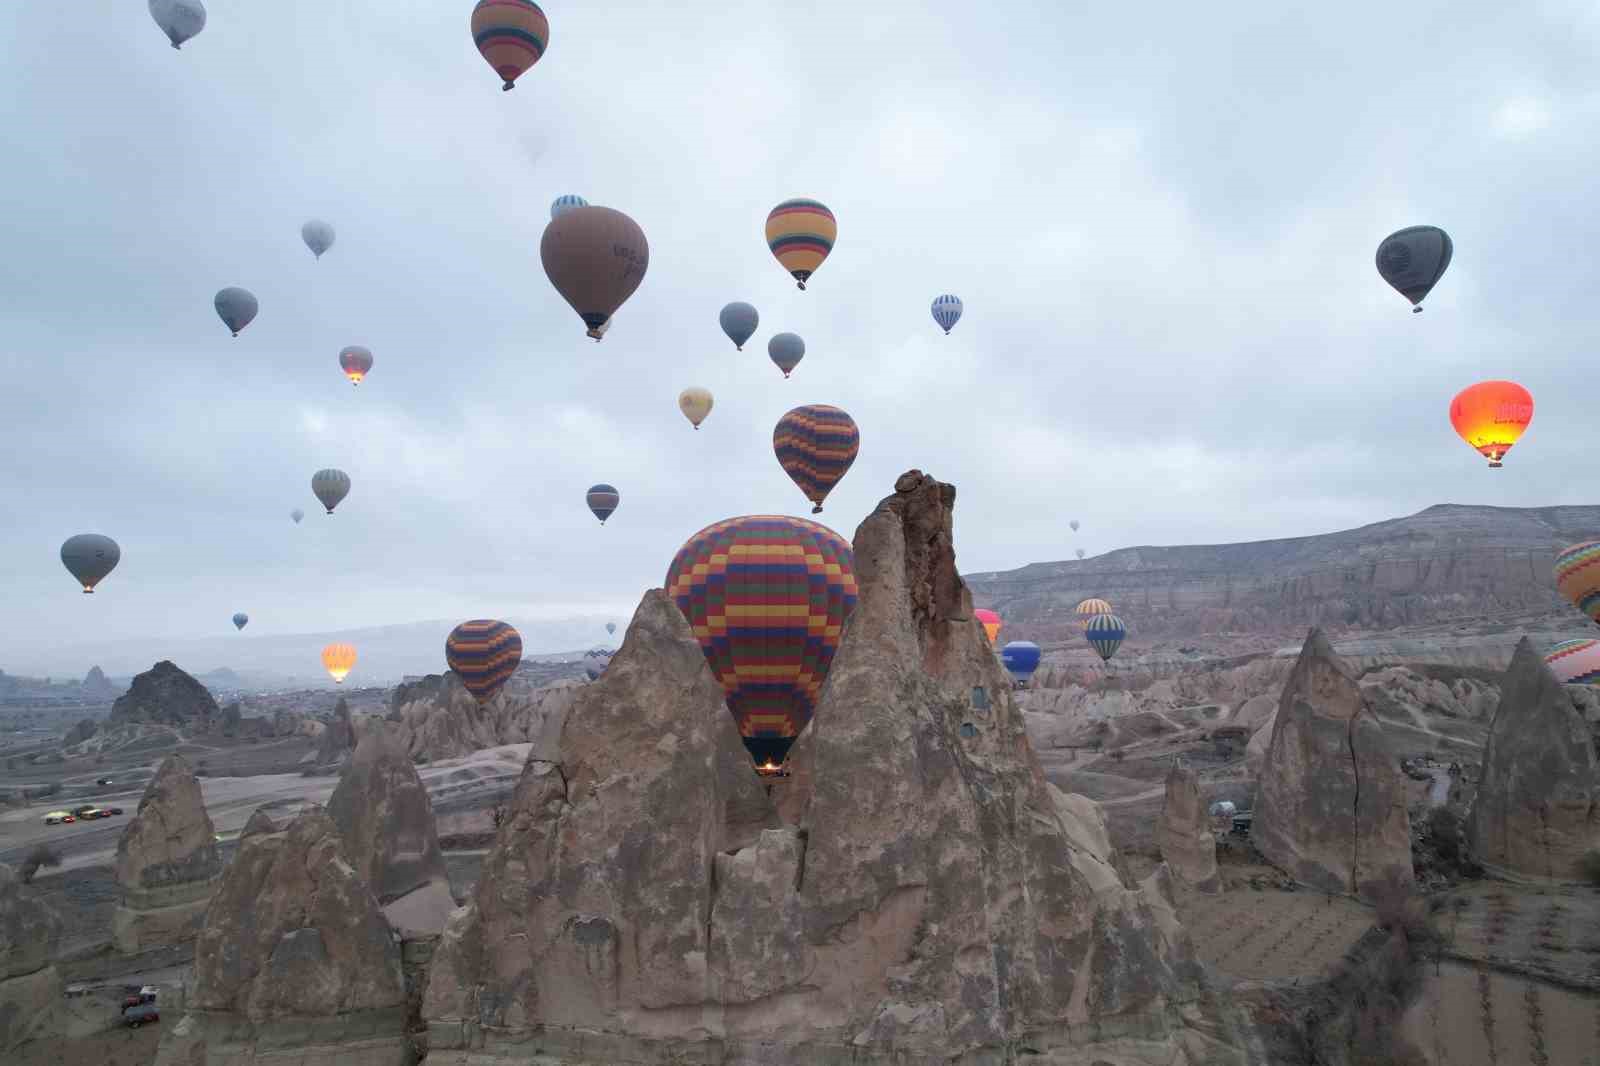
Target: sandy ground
{"x": 115, "y": 1047}
{"x": 1473, "y": 1016}
{"x": 1549, "y": 932}
{"x": 1272, "y": 935}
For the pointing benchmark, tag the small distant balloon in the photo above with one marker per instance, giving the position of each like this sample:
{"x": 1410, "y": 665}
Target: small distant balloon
{"x": 330, "y": 486}
{"x": 339, "y": 660}
{"x": 786, "y": 350}
{"x": 595, "y": 662}
{"x": 179, "y": 19}
{"x": 603, "y": 500}
{"x": 800, "y": 234}
{"x": 236, "y": 307}
{"x": 1105, "y": 633}
{"x": 1577, "y": 573}
{"x": 356, "y": 362}
{"x": 1413, "y": 260}
{"x": 739, "y": 321}
{"x": 947, "y": 312}
{"x": 297, "y": 514}
{"x": 816, "y": 445}
{"x": 511, "y": 35}
{"x": 595, "y": 257}
{"x": 240, "y": 620}
{"x": 562, "y": 204}
{"x": 1074, "y": 525}
{"x": 484, "y": 653}
{"x": 611, "y": 627}
{"x": 1081, "y": 553}
{"x": 1491, "y": 416}
{"x": 318, "y": 236}
{"x": 990, "y": 622}
{"x": 1575, "y": 662}
{"x": 89, "y": 557}
{"x": 695, "y": 403}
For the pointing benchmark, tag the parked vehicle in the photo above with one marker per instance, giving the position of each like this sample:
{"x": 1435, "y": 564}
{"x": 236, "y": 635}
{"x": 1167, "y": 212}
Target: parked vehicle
{"x": 139, "y": 1014}
{"x": 55, "y": 817}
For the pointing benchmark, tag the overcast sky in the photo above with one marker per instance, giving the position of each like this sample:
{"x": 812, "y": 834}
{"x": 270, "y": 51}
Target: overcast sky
{"x": 1162, "y": 220}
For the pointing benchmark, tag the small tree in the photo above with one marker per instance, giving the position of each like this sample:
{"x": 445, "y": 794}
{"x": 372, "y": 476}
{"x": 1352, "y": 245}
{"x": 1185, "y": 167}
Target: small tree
{"x": 41, "y": 855}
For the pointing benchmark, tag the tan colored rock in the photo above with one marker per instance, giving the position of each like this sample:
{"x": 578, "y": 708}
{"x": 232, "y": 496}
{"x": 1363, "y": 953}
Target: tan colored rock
{"x": 1330, "y": 806}
{"x": 1255, "y": 752}
{"x": 30, "y": 987}
{"x": 1537, "y": 810}
{"x": 437, "y": 718}
{"x": 1255, "y": 712}
{"x": 167, "y": 863}
{"x": 166, "y": 695}
{"x": 1184, "y": 834}
{"x": 338, "y": 738}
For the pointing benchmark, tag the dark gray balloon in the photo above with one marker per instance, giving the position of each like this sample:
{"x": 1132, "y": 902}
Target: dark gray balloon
{"x": 330, "y": 486}
{"x": 178, "y": 19}
{"x": 739, "y": 321}
{"x": 89, "y": 557}
{"x": 1413, "y": 260}
{"x": 236, "y": 307}
{"x": 786, "y": 349}
{"x": 240, "y": 620}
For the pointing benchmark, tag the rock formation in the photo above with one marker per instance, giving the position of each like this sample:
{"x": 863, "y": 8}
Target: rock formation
{"x": 338, "y": 740}
{"x": 167, "y": 863}
{"x": 165, "y": 695}
{"x": 1538, "y": 804}
{"x": 440, "y": 719}
{"x": 387, "y": 825}
{"x": 97, "y": 686}
{"x": 85, "y": 729}
{"x": 30, "y": 986}
{"x": 260, "y": 822}
{"x": 295, "y": 960}
{"x": 933, "y": 900}
{"x": 1330, "y": 807}
{"x": 1184, "y": 834}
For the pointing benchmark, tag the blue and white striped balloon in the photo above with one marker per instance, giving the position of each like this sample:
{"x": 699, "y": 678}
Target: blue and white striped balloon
{"x": 565, "y": 203}
{"x": 1106, "y": 633}
{"x": 947, "y": 311}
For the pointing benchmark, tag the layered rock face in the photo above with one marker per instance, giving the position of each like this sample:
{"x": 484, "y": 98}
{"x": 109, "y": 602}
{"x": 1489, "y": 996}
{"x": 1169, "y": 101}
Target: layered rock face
{"x": 30, "y": 986}
{"x": 439, "y": 719}
{"x": 167, "y": 863}
{"x": 1184, "y": 834}
{"x": 930, "y": 898}
{"x": 337, "y": 740}
{"x": 165, "y": 695}
{"x": 1537, "y": 809}
{"x": 295, "y": 960}
{"x": 1330, "y": 805}
{"x": 386, "y": 821}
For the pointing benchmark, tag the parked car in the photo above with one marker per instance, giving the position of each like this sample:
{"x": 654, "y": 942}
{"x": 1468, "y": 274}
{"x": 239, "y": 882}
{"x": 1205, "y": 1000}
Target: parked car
{"x": 115, "y": 810}
{"x": 68, "y": 819}
{"x": 139, "y": 1014}
{"x": 56, "y": 817}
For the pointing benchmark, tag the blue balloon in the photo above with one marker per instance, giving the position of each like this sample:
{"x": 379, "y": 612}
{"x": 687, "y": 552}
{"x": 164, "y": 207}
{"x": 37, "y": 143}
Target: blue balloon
{"x": 1106, "y": 633}
{"x": 947, "y": 311}
{"x": 1020, "y": 658}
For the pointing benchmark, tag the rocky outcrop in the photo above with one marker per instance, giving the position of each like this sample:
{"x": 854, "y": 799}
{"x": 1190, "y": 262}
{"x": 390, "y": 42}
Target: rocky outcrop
{"x": 439, "y": 719}
{"x": 930, "y": 898}
{"x": 85, "y": 729}
{"x": 167, "y": 863}
{"x": 97, "y": 686}
{"x": 1330, "y": 807}
{"x": 338, "y": 739}
{"x": 260, "y": 822}
{"x": 295, "y": 960}
{"x": 1184, "y": 834}
{"x": 30, "y": 986}
{"x": 387, "y": 824}
{"x": 165, "y": 695}
{"x": 1538, "y": 804}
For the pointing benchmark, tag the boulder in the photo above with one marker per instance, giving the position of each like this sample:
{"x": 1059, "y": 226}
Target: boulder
{"x": 1184, "y": 835}
{"x": 439, "y": 719}
{"x": 165, "y": 695}
{"x": 260, "y": 822}
{"x": 85, "y": 729}
{"x": 30, "y": 987}
{"x": 338, "y": 740}
{"x": 1330, "y": 807}
{"x": 167, "y": 863}
{"x": 1537, "y": 810}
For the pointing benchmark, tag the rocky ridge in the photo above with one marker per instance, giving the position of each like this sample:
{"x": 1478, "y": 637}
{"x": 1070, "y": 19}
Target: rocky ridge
{"x": 167, "y": 863}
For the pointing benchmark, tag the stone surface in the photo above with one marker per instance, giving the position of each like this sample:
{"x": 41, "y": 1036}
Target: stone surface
{"x": 30, "y": 987}
{"x": 80, "y": 732}
{"x": 97, "y": 686}
{"x": 167, "y": 863}
{"x": 1537, "y": 808}
{"x": 1330, "y": 807}
{"x": 1184, "y": 834}
{"x": 338, "y": 739}
{"x": 439, "y": 719}
{"x": 165, "y": 695}
{"x": 260, "y": 822}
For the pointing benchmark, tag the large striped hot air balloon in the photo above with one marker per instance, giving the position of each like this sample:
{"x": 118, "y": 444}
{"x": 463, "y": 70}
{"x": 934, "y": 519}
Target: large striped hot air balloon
{"x": 1577, "y": 571}
{"x": 815, "y": 445}
{"x": 1106, "y": 633}
{"x": 1491, "y": 416}
{"x": 990, "y": 621}
{"x": 800, "y": 234}
{"x": 1021, "y": 659}
{"x": 512, "y": 36}
{"x": 339, "y": 660}
{"x": 484, "y": 653}
{"x": 1089, "y": 608}
{"x": 1575, "y": 662}
{"x": 767, "y": 597}
{"x": 603, "y": 500}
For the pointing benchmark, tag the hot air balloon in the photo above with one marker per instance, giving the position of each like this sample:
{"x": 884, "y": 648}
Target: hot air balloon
{"x": 562, "y": 204}
{"x": 236, "y": 307}
{"x": 355, "y": 361}
{"x": 297, "y": 514}
{"x": 603, "y": 499}
{"x": 1413, "y": 260}
{"x": 800, "y": 234}
{"x": 695, "y": 403}
{"x": 739, "y": 321}
{"x": 179, "y": 19}
{"x": 1081, "y": 553}
{"x": 1021, "y": 659}
{"x": 1089, "y": 608}
{"x": 1074, "y": 525}
{"x": 89, "y": 557}
{"x": 815, "y": 445}
{"x": 990, "y": 622}
{"x": 330, "y": 486}
{"x": 1106, "y": 633}
{"x": 484, "y": 653}
{"x": 767, "y": 598}
{"x": 511, "y": 35}
{"x": 338, "y": 660}
{"x": 1491, "y": 416}
{"x": 595, "y": 663}
{"x": 1577, "y": 571}
{"x": 611, "y": 627}
{"x": 947, "y": 312}
{"x": 595, "y": 257}
{"x": 318, "y": 236}
{"x": 240, "y": 620}
{"x": 786, "y": 350}
{"x": 1575, "y": 662}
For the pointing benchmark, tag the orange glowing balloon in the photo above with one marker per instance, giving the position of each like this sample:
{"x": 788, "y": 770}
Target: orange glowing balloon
{"x": 338, "y": 660}
{"x": 990, "y": 622}
{"x": 1491, "y": 416}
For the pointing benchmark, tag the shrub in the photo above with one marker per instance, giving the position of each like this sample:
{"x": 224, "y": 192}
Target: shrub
{"x": 1444, "y": 828}
{"x": 1589, "y": 867}
{"x": 41, "y": 855}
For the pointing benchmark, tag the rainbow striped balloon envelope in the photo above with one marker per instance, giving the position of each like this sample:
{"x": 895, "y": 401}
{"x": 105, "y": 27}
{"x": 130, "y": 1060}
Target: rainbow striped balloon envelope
{"x": 800, "y": 233}
{"x": 1577, "y": 572}
{"x": 767, "y": 597}
{"x": 484, "y": 653}
{"x": 1575, "y": 662}
{"x": 1106, "y": 633}
{"x": 815, "y": 445}
{"x": 511, "y": 35}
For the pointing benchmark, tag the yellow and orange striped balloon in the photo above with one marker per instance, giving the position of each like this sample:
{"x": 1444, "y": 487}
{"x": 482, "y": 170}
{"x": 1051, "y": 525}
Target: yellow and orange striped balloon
{"x": 800, "y": 233}
{"x": 339, "y": 660}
